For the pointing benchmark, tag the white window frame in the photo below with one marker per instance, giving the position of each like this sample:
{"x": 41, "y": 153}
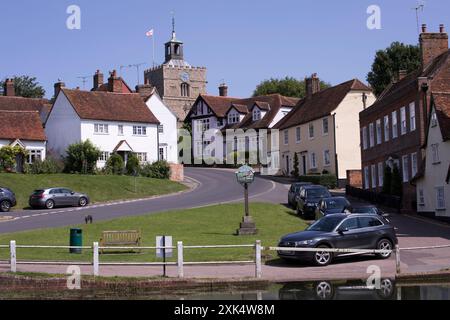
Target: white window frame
{"x": 101, "y": 128}
{"x": 142, "y": 156}
{"x": 394, "y": 125}
{"x": 374, "y": 176}
{"x": 33, "y": 155}
{"x": 412, "y": 117}
{"x": 311, "y": 130}
{"x": 313, "y": 160}
{"x": 440, "y": 198}
{"x": 371, "y": 135}
{"x": 387, "y": 129}
{"x": 380, "y": 174}
{"x": 140, "y": 131}
{"x": 286, "y": 137}
{"x": 120, "y": 129}
{"x": 325, "y": 125}
{"x": 405, "y": 168}
{"x": 379, "y": 133}
{"x": 421, "y": 197}
{"x": 414, "y": 166}
{"x": 298, "y": 134}
{"x": 326, "y": 158}
{"x": 403, "y": 123}
{"x": 434, "y": 120}
{"x": 104, "y": 156}
{"x": 364, "y": 138}
{"x": 366, "y": 178}
{"x": 256, "y": 114}
{"x": 161, "y": 129}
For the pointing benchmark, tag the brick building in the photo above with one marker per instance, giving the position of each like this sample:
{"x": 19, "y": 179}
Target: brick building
{"x": 178, "y": 83}
{"x": 393, "y": 129}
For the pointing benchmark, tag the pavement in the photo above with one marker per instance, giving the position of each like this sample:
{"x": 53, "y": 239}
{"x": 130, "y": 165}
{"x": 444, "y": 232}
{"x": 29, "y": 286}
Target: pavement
{"x": 219, "y": 186}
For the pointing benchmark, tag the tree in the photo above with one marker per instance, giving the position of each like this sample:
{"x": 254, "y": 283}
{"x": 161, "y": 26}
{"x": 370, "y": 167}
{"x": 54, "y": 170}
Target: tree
{"x": 26, "y": 87}
{"x": 82, "y": 157}
{"x": 397, "y": 185}
{"x": 296, "y": 165}
{"x": 387, "y": 180}
{"x": 133, "y": 165}
{"x": 289, "y": 87}
{"x": 389, "y": 62}
{"x": 115, "y": 164}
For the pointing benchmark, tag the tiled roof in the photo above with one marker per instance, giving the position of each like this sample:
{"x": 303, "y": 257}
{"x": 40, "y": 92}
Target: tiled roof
{"x": 442, "y": 106}
{"x": 125, "y": 88}
{"x": 24, "y": 125}
{"x": 320, "y": 104}
{"x": 95, "y": 105}
{"x": 241, "y": 108}
{"x": 43, "y": 106}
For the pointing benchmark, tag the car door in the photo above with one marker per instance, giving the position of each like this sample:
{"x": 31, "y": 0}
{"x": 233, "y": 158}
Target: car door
{"x": 349, "y": 239}
{"x": 56, "y": 196}
{"x": 69, "y": 197}
{"x": 370, "y": 232}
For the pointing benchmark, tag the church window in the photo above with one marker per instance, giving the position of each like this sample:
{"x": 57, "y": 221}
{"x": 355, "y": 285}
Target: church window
{"x": 185, "y": 90}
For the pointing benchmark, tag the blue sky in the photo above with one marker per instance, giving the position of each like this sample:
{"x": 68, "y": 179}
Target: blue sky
{"x": 241, "y": 41}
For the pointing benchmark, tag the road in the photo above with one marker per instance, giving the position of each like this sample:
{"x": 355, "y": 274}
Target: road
{"x": 214, "y": 186}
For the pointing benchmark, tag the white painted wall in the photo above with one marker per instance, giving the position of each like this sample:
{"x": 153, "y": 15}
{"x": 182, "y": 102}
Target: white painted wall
{"x": 280, "y": 115}
{"x": 63, "y": 126}
{"x": 29, "y": 145}
{"x": 435, "y": 174}
{"x": 169, "y": 138}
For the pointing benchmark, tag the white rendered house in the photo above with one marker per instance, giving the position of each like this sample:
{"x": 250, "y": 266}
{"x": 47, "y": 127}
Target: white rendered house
{"x": 114, "y": 122}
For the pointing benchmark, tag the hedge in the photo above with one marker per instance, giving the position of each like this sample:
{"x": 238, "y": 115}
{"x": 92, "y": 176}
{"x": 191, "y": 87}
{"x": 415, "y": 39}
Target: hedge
{"x": 326, "y": 180}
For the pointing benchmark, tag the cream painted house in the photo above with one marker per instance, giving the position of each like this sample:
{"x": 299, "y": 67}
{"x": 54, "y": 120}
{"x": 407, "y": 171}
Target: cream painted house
{"x": 433, "y": 180}
{"x": 323, "y": 130}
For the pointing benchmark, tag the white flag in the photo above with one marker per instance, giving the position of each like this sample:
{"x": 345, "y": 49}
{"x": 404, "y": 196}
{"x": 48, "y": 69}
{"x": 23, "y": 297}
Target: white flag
{"x": 149, "y": 33}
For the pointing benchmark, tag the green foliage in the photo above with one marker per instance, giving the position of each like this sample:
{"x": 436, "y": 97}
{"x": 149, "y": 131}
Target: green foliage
{"x": 133, "y": 165}
{"x": 82, "y": 158}
{"x": 390, "y": 61}
{"x": 27, "y": 87}
{"x": 48, "y": 166}
{"x": 296, "y": 172}
{"x": 289, "y": 87}
{"x": 387, "y": 180}
{"x": 115, "y": 164}
{"x": 156, "y": 170}
{"x": 397, "y": 184}
{"x": 8, "y": 156}
{"x": 326, "y": 180}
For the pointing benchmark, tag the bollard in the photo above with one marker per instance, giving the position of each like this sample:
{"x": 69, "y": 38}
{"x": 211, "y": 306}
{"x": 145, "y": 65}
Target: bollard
{"x": 13, "y": 260}
{"x": 258, "y": 249}
{"x": 397, "y": 259}
{"x": 95, "y": 261}
{"x": 180, "y": 259}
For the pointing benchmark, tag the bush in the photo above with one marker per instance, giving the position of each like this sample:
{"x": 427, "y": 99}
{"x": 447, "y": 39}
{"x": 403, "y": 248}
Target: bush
{"x": 387, "y": 180}
{"x": 48, "y": 166}
{"x": 133, "y": 165}
{"x": 82, "y": 158}
{"x": 397, "y": 184}
{"x": 326, "y": 180}
{"x": 8, "y": 156}
{"x": 156, "y": 170}
{"x": 114, "y": 165}
{"x": 296, "y": 172}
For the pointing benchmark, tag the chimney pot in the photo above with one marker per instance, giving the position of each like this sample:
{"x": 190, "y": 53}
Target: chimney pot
{"x": 114, "y": 83}
{"x": 223, "y": 90}
{"x": 424, "y": 28}
{"x": 441, "y": 28}
{"x": 98, "y": 80}
{"x": 58, "y": 86}
{"x": 312, "y": 85}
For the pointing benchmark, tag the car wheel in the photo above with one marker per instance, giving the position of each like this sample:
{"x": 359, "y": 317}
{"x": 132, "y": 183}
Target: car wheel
{"x": 5, "y": 206}
{"x": 82, "y": 202}
{"x": 386, "y": 289}
{"x": 322, "y": 258}
{"x": 384, "y": 244}
{"x": 324, "y": 290}
{"x": 50, "y": 204}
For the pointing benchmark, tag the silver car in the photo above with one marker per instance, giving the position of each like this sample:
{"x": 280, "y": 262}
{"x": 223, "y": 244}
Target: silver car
{"x": 57, "y": 197}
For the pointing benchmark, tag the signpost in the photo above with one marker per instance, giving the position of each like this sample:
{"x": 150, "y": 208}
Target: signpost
{"x": 162, "y": 242}
{"x": 245, "y": 176}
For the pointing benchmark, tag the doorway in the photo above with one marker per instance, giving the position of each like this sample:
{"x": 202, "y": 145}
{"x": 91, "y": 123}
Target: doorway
{"x": 304, "y": 165}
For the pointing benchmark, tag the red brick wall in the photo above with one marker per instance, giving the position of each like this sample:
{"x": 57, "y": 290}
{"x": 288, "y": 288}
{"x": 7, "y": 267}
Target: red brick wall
{"x": 176, "y": 172}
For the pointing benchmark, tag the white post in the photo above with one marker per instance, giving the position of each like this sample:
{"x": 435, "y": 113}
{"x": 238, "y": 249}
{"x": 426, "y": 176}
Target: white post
{"x": 95, "y": 259}
{"x": 258, "y": 248}
{"x": 397, "y": 259}
{"x": 180, "y": 259}
{"x": 13, "y": 260}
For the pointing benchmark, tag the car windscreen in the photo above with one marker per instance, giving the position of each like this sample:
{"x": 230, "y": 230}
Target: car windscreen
{"x": 326, "y": 224}
{"x": 365, "y": 210}
{"x": 38, "y": 192}
{"x": 317, "y": 193}
{"x": 336, "y": 203}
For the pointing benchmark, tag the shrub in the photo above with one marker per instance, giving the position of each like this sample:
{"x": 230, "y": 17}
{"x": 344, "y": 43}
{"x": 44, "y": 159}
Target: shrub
{"x": 48, "y": 166}
{"x": 133, "y": 165}
{"x": 114, "y": 165}
{"x": 296, "y": 172}
{"x": 326, "y": 180}
{"x": 387, "y": 180}
{"x": 397, "y": 184}
{"x": 157, "y": 170}
{"x": 82, "y": 157}
{"x": 8, "y": 156}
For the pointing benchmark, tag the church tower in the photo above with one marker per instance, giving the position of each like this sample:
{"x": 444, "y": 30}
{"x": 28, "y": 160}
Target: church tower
{"x": 178, "y": 83}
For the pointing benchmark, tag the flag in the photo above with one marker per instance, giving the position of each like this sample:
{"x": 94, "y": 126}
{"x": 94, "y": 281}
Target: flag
{"x": 149, "y": 33}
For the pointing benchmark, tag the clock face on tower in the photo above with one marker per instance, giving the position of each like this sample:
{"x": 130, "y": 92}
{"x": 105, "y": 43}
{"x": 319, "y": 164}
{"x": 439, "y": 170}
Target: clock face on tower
{"x": 184, "y": 77}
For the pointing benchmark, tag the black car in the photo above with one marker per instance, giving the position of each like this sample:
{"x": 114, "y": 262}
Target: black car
{"x": 309, "y": 198}
{"x": 7, "y": 199}
{"x": 294, "y": 191}
{"x": 354, "y": 231}
{"x": 332, "y": 206}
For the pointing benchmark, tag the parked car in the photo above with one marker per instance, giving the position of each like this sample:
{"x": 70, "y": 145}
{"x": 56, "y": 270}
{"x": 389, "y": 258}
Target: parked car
{"x": 57, "y": 197}
{"x": 370, "y": 209}
{"x": 7, "y": 199}
{"x": 294, "y": 191}
{"x": 309, "y": 198}
{"x": 354, "y": 231}
{"x": 332, "y": 206}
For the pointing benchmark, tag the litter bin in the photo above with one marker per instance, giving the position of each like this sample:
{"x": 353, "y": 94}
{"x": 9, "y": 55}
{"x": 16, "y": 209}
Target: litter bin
{"x": 76, "y": 240}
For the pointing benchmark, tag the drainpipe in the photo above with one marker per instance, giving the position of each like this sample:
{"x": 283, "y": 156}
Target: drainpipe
{"x": 157, "y": 142}
{"x": 336, "y": 163}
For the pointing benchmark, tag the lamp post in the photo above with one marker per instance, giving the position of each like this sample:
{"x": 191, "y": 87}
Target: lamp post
{"x": 245, "y": 176}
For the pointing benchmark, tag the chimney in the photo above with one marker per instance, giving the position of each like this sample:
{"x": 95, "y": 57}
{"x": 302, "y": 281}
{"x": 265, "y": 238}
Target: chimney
{"x": 223, "y": 90}
{"x": 432, "y": 45}
{"x": 98, "y": 80}
{"x": 402, "y": 74}
{"x": 312, "y": 85}
{"x": 144, "y": 90}
{"x": 8, "y": 88}
{"x": 58, "y": 86}
{"x": 114, "y": 83}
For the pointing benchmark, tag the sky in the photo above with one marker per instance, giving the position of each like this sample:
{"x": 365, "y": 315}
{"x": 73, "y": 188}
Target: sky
{"x": 241, "y": 42}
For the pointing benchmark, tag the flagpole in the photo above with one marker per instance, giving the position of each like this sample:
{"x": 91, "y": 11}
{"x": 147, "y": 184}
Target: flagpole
{"x": 153, "y": 49}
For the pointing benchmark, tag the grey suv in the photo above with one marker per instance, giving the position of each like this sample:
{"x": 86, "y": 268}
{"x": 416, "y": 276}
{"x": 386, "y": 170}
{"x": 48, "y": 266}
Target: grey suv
{"x": 343, "y": 231}
{"x": 7, "y": 199}
{"x": 57, "y": 197}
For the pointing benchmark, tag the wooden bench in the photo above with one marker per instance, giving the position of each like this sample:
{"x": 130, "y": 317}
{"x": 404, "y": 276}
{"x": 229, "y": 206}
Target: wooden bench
{"x": 130, "y": 238}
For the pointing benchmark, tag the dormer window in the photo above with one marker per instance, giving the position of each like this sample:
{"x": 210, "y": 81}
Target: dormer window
{"x": 233, "y": 118}
{"x": 256, "y": 114}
